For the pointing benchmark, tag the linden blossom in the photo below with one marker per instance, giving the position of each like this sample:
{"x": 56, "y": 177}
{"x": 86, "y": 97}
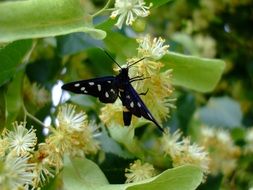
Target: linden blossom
{"x": 129, "y": 10}
{"x": 22, "y": 140}
{"x": 152, "y": 48}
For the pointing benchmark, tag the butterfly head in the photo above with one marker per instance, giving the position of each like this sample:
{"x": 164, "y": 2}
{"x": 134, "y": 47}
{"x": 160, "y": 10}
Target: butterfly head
{"x": 123, "y": 75}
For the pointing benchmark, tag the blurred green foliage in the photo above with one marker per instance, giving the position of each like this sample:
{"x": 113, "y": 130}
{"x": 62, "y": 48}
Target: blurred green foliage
{"x": 208, "y": 29}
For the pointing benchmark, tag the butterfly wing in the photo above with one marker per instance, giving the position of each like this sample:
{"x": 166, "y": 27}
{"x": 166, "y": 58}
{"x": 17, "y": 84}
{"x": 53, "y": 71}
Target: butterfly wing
{"x": 127, "y": 117}
{"x": 104, "y": 88}
{"x": 132, "y": 101}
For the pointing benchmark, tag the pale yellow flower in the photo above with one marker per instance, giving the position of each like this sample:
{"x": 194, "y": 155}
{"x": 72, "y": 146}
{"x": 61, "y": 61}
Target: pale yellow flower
{"x": 222, "y": 151}
{"x": 44, "y": 168}
{"x": 192, "y": 153}
{"x": 152, "y": 48}
{"x": 138, "y": 171}
{"x": 69, "y": 119}
{"x": 182, "y": 151}
{"x": 16, "y": 172}
{"x": 128, "y": 11}
{"x": 74, "y": 136}
{"x": 21, "y": 140}
{"x": 35, "y": 93}
{"x": 171, "y": 143}
{"x": 112, "y": 113}
{"x": 4, "y": 145}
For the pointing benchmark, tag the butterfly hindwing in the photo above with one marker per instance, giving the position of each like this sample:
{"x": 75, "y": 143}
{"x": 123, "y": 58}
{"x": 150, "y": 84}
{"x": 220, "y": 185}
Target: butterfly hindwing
{"x": 104, "y": 88}
{"x": 132, "y": 101}
{"x": 127, "y": 117}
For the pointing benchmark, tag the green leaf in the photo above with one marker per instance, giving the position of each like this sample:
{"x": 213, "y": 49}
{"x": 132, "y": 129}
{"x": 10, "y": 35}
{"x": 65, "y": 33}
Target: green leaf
{"x": 76, "y": 42}
{"x": 2, "y": 109}
{"x": 186, "y": 177}
{"x": 157, "y": 3}
{"x": 222, "y": 111}
{"x": 238, "y": 134}
{"x": 36, "y": 19}
{"x": 85, "y": 101}
{"x": 14, "y": 98}
{"x": 181, "y": 118}
{"x": 122, "y": 46}
{"x": 11, "y": 56}
{"x": 192, "y": 72}
{"x": 124, "y": 135}
{"x": 81, "y": 174}
{"x": 110, "y": 146}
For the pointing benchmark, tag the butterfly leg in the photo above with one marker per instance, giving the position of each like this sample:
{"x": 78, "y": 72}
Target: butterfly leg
{"x": 138, "y": 78}
{"x": 144, "y": 93}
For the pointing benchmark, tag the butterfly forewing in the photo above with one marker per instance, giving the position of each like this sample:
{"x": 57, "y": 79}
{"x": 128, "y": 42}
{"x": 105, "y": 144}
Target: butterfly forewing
{"x": 104, "y": 88}
{"x": 132, "y": 101}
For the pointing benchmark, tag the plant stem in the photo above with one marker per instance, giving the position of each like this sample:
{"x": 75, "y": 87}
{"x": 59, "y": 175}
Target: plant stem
{"x": 27, "y": 114}
{"x": 103, "y": 9}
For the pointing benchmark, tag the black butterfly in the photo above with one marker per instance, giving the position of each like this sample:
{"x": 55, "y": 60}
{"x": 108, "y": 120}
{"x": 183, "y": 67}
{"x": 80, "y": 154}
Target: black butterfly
{"x": 109, "y": 88}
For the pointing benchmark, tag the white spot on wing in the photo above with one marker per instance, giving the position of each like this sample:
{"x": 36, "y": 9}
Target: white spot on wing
{"x": 139, "y": 105}
{"x": 91, "y": 83}
{"x": 132, "y": 104}
{"x": 77, "y": 84}
{"x": 112, "y": 91}
{"x": 128, "y": 97}
{"x": 99, "y": 87}
{"x": 83, "y": 88}
{"x": 106, "y": 95}
{"x": 109, "y": 81}
{"x": 150, "y": 116}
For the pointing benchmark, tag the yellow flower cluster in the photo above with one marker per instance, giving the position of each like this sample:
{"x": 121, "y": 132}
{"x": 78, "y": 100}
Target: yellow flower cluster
{"x": 16, "y": 148}
{"x": 21, "y": 166}
{"x": 182, "y": 151}
{"x": 157, "y": 83}
{"x": 223, "y": 153}
{"x": 128, "y": 11}
{"x": 73, "y": 136}
{"x": 138, "y": 171}
{"x": 35, "y": 94}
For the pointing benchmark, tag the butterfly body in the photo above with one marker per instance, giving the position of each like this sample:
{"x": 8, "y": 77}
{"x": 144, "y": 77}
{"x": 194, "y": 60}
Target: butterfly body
{"x": 109, "y": 88}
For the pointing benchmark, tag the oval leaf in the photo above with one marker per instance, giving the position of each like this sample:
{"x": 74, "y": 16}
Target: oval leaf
{"x": 14, "y": 98}
{"x": 192, "y": 72}
{"x": 81, "y": 174}
{"x": 186, "y": 177}
{"x": 36, "y": 19}
{"x": 11, "y": 56}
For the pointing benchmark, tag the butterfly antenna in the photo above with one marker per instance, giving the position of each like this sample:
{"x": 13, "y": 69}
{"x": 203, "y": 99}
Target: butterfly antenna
{"x": 135, "y": 62}
{"x": 112, "y": 58}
